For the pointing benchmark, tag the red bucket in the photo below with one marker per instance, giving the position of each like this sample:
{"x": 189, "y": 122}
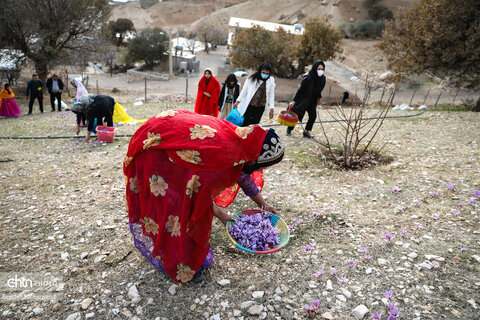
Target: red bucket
{"x": 105, "y": 134}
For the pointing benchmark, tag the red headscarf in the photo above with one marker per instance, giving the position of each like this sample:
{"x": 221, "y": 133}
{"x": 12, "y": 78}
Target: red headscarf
{"x": 176, "y": 164}
{"x": 207, "y": 105}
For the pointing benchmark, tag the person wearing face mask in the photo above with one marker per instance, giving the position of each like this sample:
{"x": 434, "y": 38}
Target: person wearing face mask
{"x": 207, "y": 95}
{"x": 309, "y": 96}
{"x": 228, "y": 96}
{"x": 258, "y": 92}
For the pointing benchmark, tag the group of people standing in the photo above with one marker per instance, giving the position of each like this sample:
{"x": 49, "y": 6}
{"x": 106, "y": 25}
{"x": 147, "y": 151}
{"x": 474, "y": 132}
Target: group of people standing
{"x": 258, "y": 94}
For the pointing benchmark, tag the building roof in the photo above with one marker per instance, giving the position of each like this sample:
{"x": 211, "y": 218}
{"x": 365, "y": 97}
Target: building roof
{"x": 270, "y": 26}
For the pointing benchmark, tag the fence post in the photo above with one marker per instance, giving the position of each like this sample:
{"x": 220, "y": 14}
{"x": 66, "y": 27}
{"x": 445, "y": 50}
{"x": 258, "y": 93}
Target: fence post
{"x": 438, "y": 98}
{"x": 97, "y": 86}
{"x": 186, "y": 86}
{"x": 411, "y": 99}
{"x": 383, "y": 92}
{"x": 425, "y": 100}
{"x": 329, "y": 92}
{"x": 456, "y": 94}
{"x": 145, "y": 89}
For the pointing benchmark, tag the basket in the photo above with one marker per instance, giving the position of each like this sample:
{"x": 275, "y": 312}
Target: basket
{"x": 105, "y": 134}
{"x": 288, "y": 118}
{"x": 275, "y": 220}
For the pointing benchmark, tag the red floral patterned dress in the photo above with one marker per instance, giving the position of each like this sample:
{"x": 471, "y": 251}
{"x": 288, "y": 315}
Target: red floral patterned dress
{"x": 176, "y": 164}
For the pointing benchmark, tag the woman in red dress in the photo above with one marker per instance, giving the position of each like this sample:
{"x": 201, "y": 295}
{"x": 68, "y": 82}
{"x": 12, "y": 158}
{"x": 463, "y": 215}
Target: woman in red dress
{"x": 177, "y": 163}
{"x": 207, "y": 95}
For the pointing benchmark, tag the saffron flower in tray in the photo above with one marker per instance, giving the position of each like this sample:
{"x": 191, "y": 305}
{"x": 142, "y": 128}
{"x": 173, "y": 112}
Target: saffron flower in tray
{"x": 258, "y": 231}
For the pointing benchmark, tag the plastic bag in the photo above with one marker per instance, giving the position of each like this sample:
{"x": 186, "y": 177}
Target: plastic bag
{"x": 235, "y": 117}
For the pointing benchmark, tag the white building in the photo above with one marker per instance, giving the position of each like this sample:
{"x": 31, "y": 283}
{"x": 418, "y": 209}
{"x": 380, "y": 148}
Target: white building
{"x": 236, "y": 24}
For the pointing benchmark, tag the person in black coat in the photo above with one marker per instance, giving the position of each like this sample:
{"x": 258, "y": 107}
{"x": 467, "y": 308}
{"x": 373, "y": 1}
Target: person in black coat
{"x": 55, "y": 88}
{"x": 308, "y": 96}
{"x": 34, "y": 91}
{"x": 228, "y": 96}
{"x": 102, "y": 110}
{"x": 99, "y": 107}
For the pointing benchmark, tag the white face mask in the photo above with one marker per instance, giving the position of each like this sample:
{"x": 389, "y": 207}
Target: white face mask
{"x": 320, "y": 73}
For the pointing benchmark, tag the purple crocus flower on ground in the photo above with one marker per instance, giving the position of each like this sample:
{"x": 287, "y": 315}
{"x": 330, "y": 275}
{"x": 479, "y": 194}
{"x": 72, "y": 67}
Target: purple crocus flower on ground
{"x": 463, "y": 249}
{"x": 459, "y": 203}
{"x": 353, "y": 263}
{"x": 404, "y": 233}
{"x": 366, "y": 256}
{"x": 362, "y": 250}
{"x": 450, "y": 186}
{"x": 434, "y": 194}
{"x": 376, "y": 315}
{"x": 319, "y": 273}
{"x": 456, "y": 213}
{"x": 395, "y": 189}
{"x": 388, "y": 294}
{"x": 388, "y": 236}
{"x": 391, "y": 306}
{"x": 331, "y": 234}
{"x": 341, "y": 279}
{"x": 473, "y": 201}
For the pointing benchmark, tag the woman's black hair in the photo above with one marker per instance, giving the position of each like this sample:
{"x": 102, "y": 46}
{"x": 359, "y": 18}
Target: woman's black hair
{"x": 7, "y": 87}
{"x": 264, "y": 66}
{"x": 231, "y": 78}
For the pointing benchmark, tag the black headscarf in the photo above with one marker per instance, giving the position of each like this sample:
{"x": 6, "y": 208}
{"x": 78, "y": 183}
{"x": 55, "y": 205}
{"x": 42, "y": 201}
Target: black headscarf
{"x": 264, "y": 66}
{"x": 272, "y": 153}
{"x": 312, "y": 74}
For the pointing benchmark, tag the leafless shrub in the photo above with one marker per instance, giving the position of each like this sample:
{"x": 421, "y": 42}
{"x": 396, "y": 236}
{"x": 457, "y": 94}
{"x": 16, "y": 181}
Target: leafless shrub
{"x": 354, "y": 142}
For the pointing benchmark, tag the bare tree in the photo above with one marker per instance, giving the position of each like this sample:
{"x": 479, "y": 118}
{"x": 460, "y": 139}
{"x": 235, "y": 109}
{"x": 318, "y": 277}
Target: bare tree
{"x": 356, "y": 130}
{"x": 44, "y": 29}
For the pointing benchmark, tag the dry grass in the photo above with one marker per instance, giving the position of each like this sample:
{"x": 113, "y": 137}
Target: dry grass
{"x": 74, "y": 192}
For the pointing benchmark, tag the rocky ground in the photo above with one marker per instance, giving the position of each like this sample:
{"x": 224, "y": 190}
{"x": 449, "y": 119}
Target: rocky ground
{"x": 410, "y": 227}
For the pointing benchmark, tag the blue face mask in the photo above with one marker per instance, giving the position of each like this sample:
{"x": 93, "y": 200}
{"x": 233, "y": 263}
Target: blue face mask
{"x": 264, "y": 76}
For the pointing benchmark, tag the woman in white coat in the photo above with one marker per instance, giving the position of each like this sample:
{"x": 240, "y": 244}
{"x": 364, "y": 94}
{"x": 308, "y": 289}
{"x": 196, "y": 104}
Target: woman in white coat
{"x": 257, "y": 94}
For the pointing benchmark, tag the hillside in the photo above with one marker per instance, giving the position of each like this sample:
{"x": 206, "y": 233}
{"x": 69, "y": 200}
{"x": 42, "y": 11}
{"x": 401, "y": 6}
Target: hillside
{"x": 183, "y": 14}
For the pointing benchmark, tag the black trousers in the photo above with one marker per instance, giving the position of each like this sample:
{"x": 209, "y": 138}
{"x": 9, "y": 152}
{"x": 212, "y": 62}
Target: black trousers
{"x": 253, "y": 115}
{"x": 312, "y": 116}
{"x": 58, "y": 96}
{"x": 39, "y": 97}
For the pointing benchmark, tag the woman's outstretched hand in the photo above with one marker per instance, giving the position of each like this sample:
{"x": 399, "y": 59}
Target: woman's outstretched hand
{"x": 222, "y": 215}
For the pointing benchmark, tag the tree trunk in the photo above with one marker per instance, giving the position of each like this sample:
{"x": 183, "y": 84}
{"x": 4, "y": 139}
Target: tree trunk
{"x": 41, "y": 68}
{"x": 477, "y": 106}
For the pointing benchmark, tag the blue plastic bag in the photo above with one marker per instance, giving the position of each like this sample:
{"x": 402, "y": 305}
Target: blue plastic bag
{"x": 235, "y": 117}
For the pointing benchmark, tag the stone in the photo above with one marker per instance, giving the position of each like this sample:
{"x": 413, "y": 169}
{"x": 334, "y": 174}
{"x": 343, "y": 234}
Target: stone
{"x": 255, "y": 309}
{"x": 327, "y": 315}
{"x": 99, "y": 258}
{"x": 133, "y": 294}
{"x": 434, "y": 257}
{"x": 339, "y": 252}
{"x": 346, "y": 293}
{"x": 173, "y": 289}
{"x": 341, "y": 297}
{"x": 412, "y": 255}
{"x": 90, "y": 315}
{"x": 83, "y": 255}
{"x": 115, "y": 311}
{"x": 64, "y": 256}
{"x": 477, "y": 258}
{"x": 223, "y": 282}
{"x": 236, "y": 312}
{"x": 329, "y": 285}
{"x": 193, "y": 307}
{"x": 284, "y": 288}
{"x": 37, "y": 310}
{"x": 258, "y": 294}
{"x": 215, "y": 317}
{"x": 57, "y": 306}
{"x": 139, "y": 310}
{"x": 360, "y": 311}
{"x": 382, "y": 261}
{"x": 86, "y": 303}
{"x": 368, "y": 271}
{"x": 247, "y": 304}
{"x": 74, "y": 316}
